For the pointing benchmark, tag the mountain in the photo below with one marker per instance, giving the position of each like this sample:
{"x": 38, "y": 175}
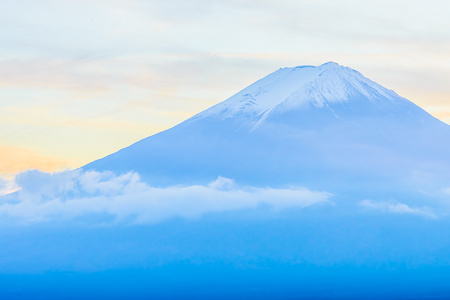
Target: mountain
{"x": 341, "y": 192}
{"x": 326, "y": 127}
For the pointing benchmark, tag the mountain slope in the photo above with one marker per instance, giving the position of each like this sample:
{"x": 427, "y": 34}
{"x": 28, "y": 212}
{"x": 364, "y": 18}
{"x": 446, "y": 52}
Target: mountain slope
{"x": 325, "y": 127}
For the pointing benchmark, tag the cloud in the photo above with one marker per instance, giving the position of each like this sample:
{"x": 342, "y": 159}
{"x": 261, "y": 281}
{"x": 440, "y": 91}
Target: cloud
{"x": 397, "y": 208}
{"x": 125, "y": 198}
{"x": 7, "y": 186}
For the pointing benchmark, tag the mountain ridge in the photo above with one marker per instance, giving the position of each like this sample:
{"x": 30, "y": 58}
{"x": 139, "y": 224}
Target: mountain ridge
{"x": 299, "y": 86}
{"x": 262, "y": 137}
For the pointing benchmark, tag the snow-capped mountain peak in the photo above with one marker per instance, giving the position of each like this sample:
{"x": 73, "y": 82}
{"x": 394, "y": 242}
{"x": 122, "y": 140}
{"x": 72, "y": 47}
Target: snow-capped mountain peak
{"x": 318, "y": 126}
{"x": 300, "y": 86}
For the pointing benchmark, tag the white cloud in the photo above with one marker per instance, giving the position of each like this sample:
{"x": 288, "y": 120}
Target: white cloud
{"x": 7, "y": 185}
{"x": 397, "y": 208}
{"x": 73, "y": 194}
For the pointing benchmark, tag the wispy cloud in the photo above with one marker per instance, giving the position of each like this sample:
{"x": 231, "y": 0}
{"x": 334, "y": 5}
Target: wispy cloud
{"x": 70, "y": 195}
{"x": 397, "y": 208}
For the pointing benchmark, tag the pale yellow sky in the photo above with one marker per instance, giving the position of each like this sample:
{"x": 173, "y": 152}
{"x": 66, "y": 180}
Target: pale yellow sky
{"x": 82, "y": 79}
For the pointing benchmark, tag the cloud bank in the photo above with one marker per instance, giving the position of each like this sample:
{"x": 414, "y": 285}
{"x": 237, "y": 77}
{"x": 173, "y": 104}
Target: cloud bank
{"x": 397, "y": 208}
{"x": 69, "y": 195}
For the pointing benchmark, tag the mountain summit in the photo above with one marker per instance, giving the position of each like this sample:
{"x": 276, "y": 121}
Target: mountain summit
{"x": 291, "y": 88}
{"x": 325, "y": 127}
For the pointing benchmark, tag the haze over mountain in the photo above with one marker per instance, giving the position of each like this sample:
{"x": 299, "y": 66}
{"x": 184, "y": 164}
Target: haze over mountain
{"x": 326, "y": 127}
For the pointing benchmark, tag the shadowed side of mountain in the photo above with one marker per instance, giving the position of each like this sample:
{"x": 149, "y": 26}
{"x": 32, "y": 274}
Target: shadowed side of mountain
{"x": 325, "y": 127}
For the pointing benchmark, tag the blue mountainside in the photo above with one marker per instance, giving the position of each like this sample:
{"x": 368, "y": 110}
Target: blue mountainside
{"x": 325, "y": 127}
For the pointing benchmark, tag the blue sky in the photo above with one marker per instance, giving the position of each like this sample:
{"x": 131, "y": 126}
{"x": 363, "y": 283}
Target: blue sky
{"x": 82, "y": 79}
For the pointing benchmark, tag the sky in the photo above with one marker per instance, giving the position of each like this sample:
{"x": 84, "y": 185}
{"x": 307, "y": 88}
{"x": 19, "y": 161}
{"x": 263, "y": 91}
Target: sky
{"x": 82, "y": 79}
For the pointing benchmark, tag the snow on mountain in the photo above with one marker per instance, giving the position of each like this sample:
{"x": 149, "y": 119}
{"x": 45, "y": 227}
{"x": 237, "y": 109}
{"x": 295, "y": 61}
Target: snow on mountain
{"x": 325, "y": 127}
{"x": 297, "y": 87}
